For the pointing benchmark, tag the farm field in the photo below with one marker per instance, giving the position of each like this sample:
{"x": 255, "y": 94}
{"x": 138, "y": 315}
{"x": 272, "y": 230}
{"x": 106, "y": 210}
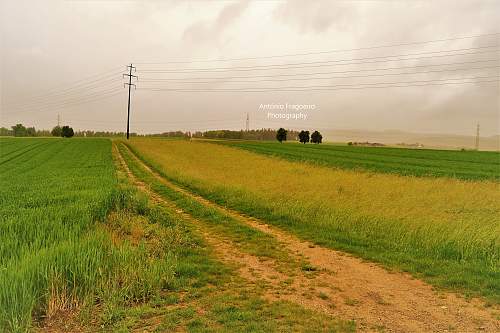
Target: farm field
{"x": 416, "y": 162}
{"x": 84, "y": 250}
{"x": 442, "y": 230}
{"x": 166, "y": 235}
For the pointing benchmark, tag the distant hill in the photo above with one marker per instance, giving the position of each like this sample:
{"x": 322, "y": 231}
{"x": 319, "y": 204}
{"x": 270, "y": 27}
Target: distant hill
{"x": 394, "y": 137}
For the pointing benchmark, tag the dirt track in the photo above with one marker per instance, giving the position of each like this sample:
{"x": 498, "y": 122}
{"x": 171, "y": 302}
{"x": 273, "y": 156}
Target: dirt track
{"x": 344, "y": 286}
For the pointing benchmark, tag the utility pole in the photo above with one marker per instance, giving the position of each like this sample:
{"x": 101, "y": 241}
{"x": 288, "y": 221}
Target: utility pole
{"x": 248, "y": 122}
{"x": 477, "y": 137}
{"x": 129, "y": 84}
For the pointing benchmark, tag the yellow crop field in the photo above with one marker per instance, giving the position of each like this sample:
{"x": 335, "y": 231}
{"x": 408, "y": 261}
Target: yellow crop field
{"x": 446, "y": 230}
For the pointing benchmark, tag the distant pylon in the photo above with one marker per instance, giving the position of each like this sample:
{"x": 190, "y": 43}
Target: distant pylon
{"x": 58, "y": 120}
{"x": 477, "y": 137}
{"x": 248, "y": 122}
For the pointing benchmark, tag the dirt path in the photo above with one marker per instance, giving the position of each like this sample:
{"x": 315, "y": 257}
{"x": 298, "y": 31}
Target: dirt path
{"x": 263, "y": 273}
{"x": 349, "y": 288}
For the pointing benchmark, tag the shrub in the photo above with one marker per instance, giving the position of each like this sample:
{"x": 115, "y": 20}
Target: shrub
{"x": 281, "y": 135}
{"x": 304, "y": 136}
{"x": 67, "y": 132}
{"x": 316, "y": 137}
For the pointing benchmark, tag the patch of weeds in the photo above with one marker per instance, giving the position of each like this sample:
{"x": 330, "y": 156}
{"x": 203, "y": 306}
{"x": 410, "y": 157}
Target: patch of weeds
{"x": 351, "y": 302}
{"x": 307, "y": 267}
{"x": 323, "y": 296}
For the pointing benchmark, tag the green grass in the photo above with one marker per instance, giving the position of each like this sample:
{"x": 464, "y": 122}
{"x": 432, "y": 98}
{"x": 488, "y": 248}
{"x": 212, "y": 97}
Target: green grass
{"x": 250, "y": 240}
{"x": 227, "y": 304}
{"x": 52, "y": 192}
{"x": 443, "y": 230}
{"x": 74, "y": 237}
{"x": 83, "y": 250}
{"x": 416, "y": 162}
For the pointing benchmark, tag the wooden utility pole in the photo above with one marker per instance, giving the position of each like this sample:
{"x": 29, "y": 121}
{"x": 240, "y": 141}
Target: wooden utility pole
{"x": 129, "y": 84}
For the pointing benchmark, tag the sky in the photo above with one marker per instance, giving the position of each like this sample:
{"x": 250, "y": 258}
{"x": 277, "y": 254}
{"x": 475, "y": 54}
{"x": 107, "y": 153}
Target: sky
{"x": 208, "y": 64}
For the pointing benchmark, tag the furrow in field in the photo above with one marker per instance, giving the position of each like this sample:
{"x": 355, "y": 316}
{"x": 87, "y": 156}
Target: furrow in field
{"x": 6, "y": 158}
{"x": 366, "y": 292}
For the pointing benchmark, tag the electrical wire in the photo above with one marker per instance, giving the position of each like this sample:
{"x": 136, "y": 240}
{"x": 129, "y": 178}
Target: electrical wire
{"x": 323, "y": 63}
{"x": 147, "y": 80}
{"x": 334, "y": 87}
{"x": 326, "y": 52}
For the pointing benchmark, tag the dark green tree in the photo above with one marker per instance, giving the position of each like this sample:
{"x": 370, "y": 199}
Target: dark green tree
{"x": 56, "y": 131}
{"x": 304, "y": 136}
{"x": 67, "y": 132}
{"x": 5, "y": 131}
{"x": 30, "y": 131}
{"x": 281, "y": 135}
{"x": 316, "y": 137}
{"x": 19, "y": 130}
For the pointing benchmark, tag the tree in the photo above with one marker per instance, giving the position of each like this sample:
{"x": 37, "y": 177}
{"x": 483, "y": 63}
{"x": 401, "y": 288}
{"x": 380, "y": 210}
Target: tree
{"x": 19, "y": 130}
{"x": 67, "y": 132}
{"x": 5, "y": 131}
{"x": 30, "y": 131}
{"x": 304, "y": 136}
{"x": 56, "y": 131}
{"x": 281, "y": 135}
{"x": 316, "y": 137}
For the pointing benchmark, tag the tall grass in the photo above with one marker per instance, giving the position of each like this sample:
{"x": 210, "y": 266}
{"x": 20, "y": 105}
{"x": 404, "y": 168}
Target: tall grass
{"x": 445, "y": 230}
{"x": 52, "y": 192}
{"x": 78, "y": 241}
{"x": 415, "y": 162}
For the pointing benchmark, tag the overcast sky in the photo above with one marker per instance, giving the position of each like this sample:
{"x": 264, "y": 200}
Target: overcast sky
{"x": 66, "y": 57}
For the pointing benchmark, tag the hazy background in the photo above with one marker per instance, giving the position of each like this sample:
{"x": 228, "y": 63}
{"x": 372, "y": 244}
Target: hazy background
{"x": 47, "y": 45}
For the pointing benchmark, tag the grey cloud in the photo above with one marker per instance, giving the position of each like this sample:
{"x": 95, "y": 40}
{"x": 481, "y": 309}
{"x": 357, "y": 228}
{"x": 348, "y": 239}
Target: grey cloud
{"x": 316, "y": 16}
{"x": 210, "y": 30}
{"x": 45, "y": 45}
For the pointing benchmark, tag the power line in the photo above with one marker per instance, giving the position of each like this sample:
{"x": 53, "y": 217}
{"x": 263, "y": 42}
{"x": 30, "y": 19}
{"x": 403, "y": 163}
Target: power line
{"x": 324, "y": 78}
{"x": 335, "y": 87}
{"x": 77, "y": 82}
{"x": 326, "y": 73}
{"x": 326, "y": 52}
{"x": 69, "y": 99}
{"x": 87, "y": 99}
{"x": 324, "y": 63}
{"x": 67, "y": 94}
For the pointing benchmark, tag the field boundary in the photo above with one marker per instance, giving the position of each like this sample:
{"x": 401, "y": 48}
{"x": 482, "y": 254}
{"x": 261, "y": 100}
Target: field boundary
{"x": 266, "y": 276}
{"x": 391, "y": 298}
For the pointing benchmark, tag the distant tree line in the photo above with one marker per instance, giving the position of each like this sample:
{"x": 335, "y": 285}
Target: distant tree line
{"x": 303, "y": 136}
{"x": 267, "y": 134}
{"x": 19, "y": 130}
{"x": 107, "y": 134}
{"x": 258, "y": 134}
{"x": 172, "y": 134}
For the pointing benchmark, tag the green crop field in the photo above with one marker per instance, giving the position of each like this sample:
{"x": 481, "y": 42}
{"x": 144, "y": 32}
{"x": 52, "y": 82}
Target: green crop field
{"x": 416, "y": 162}
{"x": 52, "y": 191}
{"x": 161, "y": 235}
{"x": 83, "y": 250}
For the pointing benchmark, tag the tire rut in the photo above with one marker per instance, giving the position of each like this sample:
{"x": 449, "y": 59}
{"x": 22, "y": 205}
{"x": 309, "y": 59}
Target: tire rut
{"x": 351, "y": 288}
